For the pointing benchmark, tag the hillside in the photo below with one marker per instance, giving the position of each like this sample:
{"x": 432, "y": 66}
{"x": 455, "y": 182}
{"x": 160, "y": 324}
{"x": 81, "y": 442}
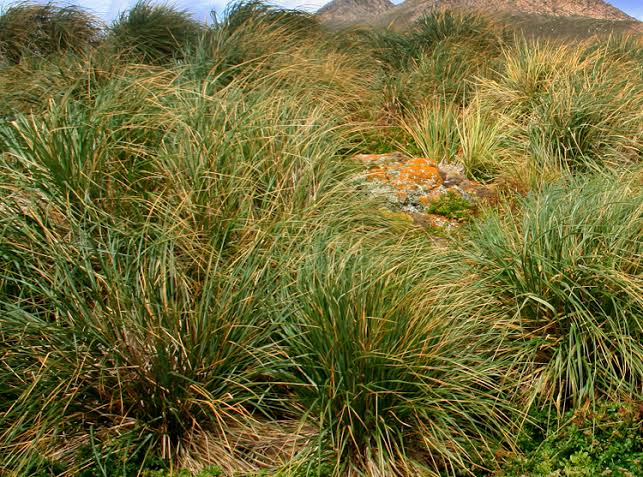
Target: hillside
{"x": 558, "y": 18}
{"x": 353, "y": 11}
{"x": 544, "y": 26}
{"x": 598, "y": 9}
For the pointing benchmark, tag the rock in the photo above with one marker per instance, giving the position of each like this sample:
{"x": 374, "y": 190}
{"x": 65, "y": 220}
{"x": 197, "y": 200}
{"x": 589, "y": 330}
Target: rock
{"x": 419, "y": 172}
{"x": 402, "y": 196}
{"x": 411, "y": 185}
{"x": 452, "y": 174}
{"x": 380, "y": 159}
{"x": 434, "y": 221}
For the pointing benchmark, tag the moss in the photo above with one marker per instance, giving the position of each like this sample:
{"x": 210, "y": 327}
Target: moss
{"x": 452, "y": 206}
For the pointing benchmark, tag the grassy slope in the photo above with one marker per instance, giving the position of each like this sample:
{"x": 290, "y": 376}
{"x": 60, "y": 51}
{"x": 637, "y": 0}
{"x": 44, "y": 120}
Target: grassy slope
{"x": 191, "y": 278}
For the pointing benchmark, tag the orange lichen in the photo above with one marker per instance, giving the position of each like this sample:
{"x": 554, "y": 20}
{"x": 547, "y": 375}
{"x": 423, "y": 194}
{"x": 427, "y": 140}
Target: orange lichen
{"x": 419, "y": 171}
{"x": 376, "y": 173}
{"x": 402, "y": 196}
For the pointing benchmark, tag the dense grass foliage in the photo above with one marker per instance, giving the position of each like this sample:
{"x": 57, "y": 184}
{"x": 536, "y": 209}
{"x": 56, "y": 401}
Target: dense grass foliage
{"x": 131, "y": 204}
{"x": 44, "y": 29}
{"x": 192, "y": 283}
{"x": 392, "y": 370}
{"x": 570, "y": 263}
{"x": 153, "y": 32}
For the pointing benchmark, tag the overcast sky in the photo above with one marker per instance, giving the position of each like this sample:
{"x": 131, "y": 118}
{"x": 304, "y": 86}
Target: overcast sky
{"x": 108, "y": 9}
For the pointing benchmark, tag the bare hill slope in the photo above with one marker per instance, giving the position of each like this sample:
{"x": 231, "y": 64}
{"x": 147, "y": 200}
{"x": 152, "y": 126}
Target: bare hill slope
{"x": 556, "y": 18}
{"x": 353, "y": 11}
{"x": 598, "y": 9}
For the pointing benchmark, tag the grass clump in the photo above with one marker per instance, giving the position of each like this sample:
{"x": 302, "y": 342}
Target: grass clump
{"x": 438, "y": 59}
{"x": 397, "y": 383}
{"x": 153, "y": 354}
{"x": 564, "y": 110}
{"x": 568, "y": 267}
{"x": 434, "y": 131}
{"x": 129, "y": 241}
{"x": 153, "y": 33}
{"x": 28, "y": 29}
{"x": 239, "y": 15}
{"x": 446, "y": 24}
{"x": 576, "y": 127}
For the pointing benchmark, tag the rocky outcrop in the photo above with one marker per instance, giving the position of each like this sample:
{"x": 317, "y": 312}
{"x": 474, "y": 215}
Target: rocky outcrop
{"x": 431, "y": 194}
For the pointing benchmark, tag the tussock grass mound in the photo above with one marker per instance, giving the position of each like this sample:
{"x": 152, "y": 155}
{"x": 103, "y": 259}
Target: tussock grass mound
{"x": 569, "y": 267}
{"x": 44, "y": 29}
{"x": 146, "y": 229}
{"x": 400, "y": 382}
{"x": 191, "y": 276}
{"x": 153, "y": 33}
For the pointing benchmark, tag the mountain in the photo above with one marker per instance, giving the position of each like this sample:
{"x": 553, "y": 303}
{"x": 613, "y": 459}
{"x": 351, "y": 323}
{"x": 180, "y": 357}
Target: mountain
{"x": 342, "y": 12}
{"x": 553, "y": 18}
{"x": 411, "y": 10}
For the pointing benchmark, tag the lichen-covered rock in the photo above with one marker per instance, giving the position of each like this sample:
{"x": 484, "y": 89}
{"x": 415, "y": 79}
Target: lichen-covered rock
{"x": 417, "y": 173}
{"x": 415, "y": 184}
{"x": 452, "y": 174}
{"x": 434, "y": 221}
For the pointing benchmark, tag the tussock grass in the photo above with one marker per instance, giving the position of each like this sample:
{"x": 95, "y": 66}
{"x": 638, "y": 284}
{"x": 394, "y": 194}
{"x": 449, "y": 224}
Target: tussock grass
{"x": 481, "y": 138}
{"x": 569, "y": 267}
{"x": 445, "y": 24}
{"x": 28, "y": 28}
{"x": 146, "y": 211}
{"x": 400, "y": 382}
{"x": 434, "y": 131}
{"x": 566, "y": 110}
{"x": 189, "y": 276}
{"x": 153, "y": 33}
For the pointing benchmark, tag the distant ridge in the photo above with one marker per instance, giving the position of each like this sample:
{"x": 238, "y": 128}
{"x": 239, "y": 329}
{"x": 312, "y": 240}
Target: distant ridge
{"x": 596, "y": 9}
{"x": 597, "y": 15}
{"x": 353, "y": 11}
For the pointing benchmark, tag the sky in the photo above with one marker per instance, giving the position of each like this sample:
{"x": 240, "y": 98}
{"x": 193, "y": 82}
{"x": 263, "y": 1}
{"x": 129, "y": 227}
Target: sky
{"x": 109, "y": 9}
